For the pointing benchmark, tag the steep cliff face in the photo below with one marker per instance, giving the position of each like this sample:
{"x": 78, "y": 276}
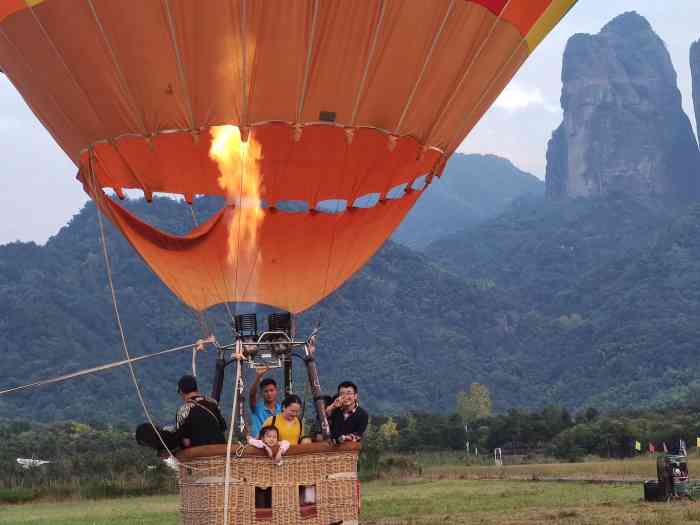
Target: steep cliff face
{"x": 695, "y": 75}
{"x": 623, "y": 127}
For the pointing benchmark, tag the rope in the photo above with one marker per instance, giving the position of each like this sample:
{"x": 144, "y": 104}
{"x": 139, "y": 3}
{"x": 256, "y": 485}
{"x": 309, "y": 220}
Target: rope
{"x": 476, "y": 56}
{"x": 303, "y": 405}
{"x": 88, "y": 371}
{"x": 244, "y": 62}
{"x": 229, "y": 442}
{"x": 307, "y": 67}
{"x": 370, "y": 57}
{"x": 194, "y": 361}
{"x": 180, "y": 63}
{"x": 201, "y": 317}
{"x": 129, "y": 359}
{"x": 108, "y": 264}
{"x": 137, "y": 115}
{"x": 436, "y": 38}
{"x": 242, "y": 425}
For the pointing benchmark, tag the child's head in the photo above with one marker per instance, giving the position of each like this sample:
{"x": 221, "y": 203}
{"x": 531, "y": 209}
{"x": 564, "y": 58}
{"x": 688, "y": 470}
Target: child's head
{"x": 305, "y": 440}
{"x": 269, "y": 435}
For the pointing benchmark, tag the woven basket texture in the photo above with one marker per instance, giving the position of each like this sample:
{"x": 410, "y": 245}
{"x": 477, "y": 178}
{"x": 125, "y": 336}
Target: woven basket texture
{"x": 333, "y": 473}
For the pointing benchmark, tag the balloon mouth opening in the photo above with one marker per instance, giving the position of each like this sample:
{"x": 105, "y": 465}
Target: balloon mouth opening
{"x": 267, "y": 167}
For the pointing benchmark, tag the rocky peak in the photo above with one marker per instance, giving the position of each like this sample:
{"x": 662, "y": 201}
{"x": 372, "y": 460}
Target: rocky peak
{"x": 628, "y": 23}
{"x": 695, "y": 75}
{"x": 623, "y": 127}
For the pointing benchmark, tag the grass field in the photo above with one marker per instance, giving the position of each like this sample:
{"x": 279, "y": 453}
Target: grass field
{"x": 419, "y": 502}
{"x": 637, "y": 469}
{"x": 156, "y": 510}
{"x": 447, "y": 492}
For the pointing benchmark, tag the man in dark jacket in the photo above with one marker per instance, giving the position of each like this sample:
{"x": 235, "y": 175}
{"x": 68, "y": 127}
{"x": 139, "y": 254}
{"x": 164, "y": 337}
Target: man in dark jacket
{"x": 198, "y": 422}
{"x": 347, "y": 419}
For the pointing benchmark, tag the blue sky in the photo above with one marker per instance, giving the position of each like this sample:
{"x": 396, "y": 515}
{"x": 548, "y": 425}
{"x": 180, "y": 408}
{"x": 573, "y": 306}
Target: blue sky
{"x": 38, "y": 193}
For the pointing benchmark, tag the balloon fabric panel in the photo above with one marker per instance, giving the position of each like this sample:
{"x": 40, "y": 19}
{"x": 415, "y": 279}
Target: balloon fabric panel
{"x": 300, "y": 259}
{"x": 345, "y": 100}
{"x": 188, "y": 65}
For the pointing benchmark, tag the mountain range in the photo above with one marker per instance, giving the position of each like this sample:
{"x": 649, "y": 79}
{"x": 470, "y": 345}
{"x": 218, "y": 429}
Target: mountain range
{"x": 586, "y": 296}
{"x": 582, "y": 302}
{"x": 474, "y": 188}
{"x": 56, "y": 312}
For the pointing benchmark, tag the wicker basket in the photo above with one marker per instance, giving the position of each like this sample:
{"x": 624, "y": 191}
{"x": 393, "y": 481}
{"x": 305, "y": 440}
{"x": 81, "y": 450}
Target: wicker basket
{"x": 331, "y": 470}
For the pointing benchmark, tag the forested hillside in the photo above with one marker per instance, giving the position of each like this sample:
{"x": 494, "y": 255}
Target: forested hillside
{"x": 473, "y": 189}
{"x": 577, "y": 302}
{"x": 408, "y": 332}
{"x": 541, "y": 247}
{"x": 608, "y": 293}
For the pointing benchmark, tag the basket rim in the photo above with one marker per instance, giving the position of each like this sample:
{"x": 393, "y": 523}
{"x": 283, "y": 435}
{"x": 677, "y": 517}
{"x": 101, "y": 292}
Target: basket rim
{"x": 325, "y": 448}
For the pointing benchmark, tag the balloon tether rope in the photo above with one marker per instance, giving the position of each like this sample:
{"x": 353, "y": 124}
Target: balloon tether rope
{"x": 95, "y": 369}
{"x": 229, "y": 441}
{"x": 125, "y": 348}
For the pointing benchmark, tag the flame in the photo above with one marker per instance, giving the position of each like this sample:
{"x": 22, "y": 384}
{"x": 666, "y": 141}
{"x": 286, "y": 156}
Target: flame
{"x": 238, "y": 163}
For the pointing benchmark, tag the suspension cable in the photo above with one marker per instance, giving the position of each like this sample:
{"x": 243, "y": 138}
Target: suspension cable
{"x": 125, "y": 348}
{"x": 195, "y": 350}
{"x": 201, "y": 316}
{"x": 229, "y": 441}
{"x": 92, "y": 181}
{"x": 95, "y": 369}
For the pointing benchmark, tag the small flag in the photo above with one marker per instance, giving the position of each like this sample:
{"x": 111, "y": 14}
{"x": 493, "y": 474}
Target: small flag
{"x": 637, "y": 446}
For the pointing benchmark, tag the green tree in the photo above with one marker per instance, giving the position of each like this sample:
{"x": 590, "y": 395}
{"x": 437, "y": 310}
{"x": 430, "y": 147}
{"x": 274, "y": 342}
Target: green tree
{"x": 389, "y": 433}
{"x": 475, "y": 404}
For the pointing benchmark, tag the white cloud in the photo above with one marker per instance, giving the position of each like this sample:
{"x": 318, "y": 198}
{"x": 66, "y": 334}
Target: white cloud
{"x": 517, "y": 96}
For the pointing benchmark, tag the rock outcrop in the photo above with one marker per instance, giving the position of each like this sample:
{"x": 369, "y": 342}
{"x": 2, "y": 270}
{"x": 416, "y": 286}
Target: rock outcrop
{"x": 623, "y": 127}
{"x": 695, "y": 76}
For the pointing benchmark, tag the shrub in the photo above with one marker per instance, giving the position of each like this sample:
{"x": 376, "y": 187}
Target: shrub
{"x": 17, "y": 495}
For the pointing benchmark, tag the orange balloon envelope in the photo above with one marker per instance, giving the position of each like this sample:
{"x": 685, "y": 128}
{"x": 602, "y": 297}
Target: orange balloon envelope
{"x": 332, "y": 100}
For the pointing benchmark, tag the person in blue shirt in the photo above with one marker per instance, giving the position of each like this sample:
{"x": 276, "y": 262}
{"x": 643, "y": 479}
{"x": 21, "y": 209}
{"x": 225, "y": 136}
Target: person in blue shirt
{"x": 268, "y": 406}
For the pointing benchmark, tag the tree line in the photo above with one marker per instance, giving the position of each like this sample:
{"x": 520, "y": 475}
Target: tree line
{"x": 102, "y": 459}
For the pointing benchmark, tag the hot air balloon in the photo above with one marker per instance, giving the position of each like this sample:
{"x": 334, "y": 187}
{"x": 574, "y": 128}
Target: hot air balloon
{"x": 320, "y": 122}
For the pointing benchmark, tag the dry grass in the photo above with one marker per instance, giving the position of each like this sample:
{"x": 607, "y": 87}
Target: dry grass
{"x": 421, "y": 502}
{"x": 518, "y": 503}
{"x": 431, "y": 500}
{"x": 637, "y": 469}
{"x": 640, "y": 515}
{"x": 155, "y": 510}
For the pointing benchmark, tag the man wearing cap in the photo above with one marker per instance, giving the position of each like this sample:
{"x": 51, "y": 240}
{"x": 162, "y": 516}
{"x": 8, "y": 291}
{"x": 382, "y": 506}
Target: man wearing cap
{"x": 198, "y": 422}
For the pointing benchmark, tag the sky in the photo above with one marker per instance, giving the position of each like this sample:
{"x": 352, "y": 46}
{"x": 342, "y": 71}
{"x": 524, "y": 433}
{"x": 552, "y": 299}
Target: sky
{"x": 39, "y": 193}
{"x": 522, "y": 119}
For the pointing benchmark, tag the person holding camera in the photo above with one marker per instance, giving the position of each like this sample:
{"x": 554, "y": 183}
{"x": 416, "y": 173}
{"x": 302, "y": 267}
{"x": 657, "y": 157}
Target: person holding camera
{"x": 347, "y": 419}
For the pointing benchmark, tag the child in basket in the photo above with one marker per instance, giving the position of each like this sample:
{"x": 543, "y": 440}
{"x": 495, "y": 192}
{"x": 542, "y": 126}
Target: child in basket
{"x": 268, "y": 439}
